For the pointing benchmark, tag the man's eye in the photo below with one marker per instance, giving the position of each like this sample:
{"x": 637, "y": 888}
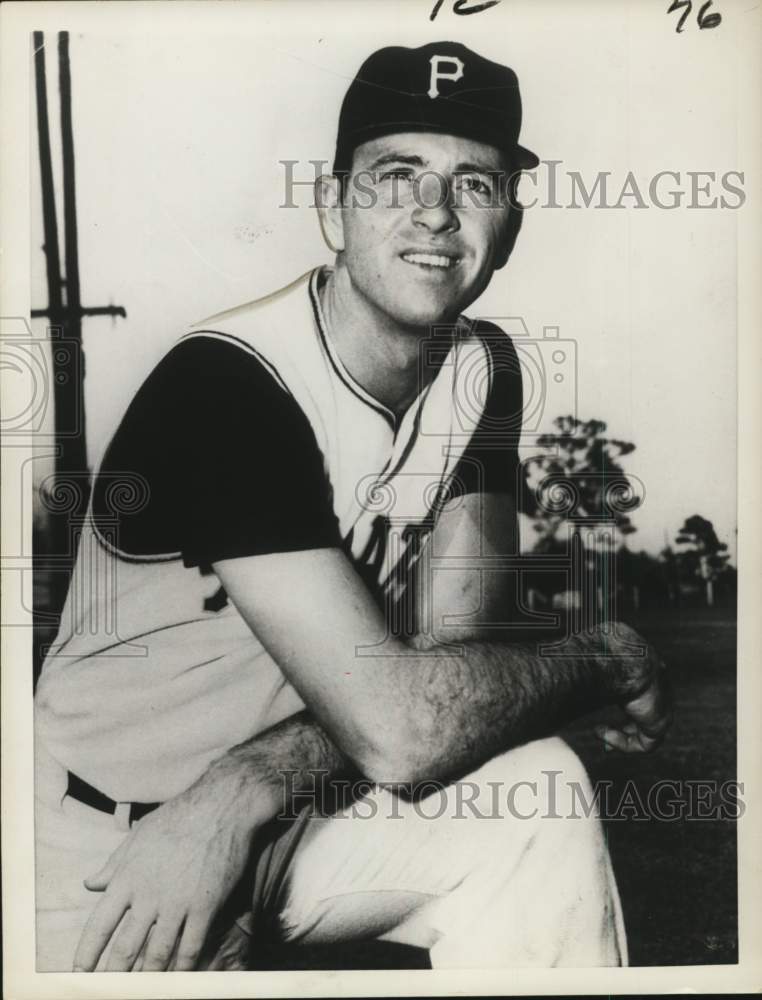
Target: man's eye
{"x": 471, "y": 183}
{"x": 398, "y": 173}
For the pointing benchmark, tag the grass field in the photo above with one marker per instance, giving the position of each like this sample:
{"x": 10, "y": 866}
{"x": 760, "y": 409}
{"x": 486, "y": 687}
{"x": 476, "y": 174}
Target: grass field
{"x": 678, "y": 879}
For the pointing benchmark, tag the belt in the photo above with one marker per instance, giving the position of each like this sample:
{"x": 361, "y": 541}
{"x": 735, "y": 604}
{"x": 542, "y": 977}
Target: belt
{"x": 85, "y": 793}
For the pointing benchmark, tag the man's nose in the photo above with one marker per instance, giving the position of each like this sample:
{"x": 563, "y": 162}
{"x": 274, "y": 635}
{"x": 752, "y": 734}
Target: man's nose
{"x": 433, "y": 205}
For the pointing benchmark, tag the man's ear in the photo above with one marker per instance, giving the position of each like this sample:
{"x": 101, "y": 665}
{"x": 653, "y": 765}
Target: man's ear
{"x": 510, "y": 235}
{"x": 329, "y": 207}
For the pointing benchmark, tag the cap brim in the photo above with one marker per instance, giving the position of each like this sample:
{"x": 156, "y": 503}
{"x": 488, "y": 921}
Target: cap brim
{"x": 525, "y": 159}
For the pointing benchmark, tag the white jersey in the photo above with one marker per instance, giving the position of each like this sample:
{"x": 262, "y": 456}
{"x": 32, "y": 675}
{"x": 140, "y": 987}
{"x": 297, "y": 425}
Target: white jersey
{"x": 154, "y": 673}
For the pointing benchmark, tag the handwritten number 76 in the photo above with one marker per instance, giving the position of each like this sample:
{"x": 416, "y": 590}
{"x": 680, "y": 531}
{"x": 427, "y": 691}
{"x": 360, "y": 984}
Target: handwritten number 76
{"x": 703, "y": 19}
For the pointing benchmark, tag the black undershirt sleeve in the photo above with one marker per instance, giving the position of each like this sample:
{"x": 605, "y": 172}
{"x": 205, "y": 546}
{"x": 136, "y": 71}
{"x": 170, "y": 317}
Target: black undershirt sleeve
{"x": 230, "y": 461}
{"x": 490, "y": 462}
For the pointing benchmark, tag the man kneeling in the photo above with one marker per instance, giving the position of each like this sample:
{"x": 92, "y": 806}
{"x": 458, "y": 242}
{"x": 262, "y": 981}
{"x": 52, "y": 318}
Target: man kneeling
{"x": 315, "y": 585}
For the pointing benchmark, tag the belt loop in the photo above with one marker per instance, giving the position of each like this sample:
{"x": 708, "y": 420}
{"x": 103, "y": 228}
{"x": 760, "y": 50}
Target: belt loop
{"x": 122, "y": 816}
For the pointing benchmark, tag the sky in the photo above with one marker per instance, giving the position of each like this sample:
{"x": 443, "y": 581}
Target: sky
{"x": 178, "y": 136}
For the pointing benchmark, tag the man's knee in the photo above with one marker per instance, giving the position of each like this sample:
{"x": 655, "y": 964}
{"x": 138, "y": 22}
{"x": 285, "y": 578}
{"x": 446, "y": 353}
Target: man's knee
{"x": 565, "y": 788}
{"x": 541, "y": 779}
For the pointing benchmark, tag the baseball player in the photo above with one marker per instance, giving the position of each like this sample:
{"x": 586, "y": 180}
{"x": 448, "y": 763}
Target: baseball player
{"x": 329, "y": 475}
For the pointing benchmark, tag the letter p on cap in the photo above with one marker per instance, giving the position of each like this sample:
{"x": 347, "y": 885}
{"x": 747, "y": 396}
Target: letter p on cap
{"x": 438, "y": 74}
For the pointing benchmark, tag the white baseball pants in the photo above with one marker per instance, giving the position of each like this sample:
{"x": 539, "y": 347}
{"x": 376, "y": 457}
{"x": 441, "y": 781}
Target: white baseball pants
{"x": 506, "y": 869}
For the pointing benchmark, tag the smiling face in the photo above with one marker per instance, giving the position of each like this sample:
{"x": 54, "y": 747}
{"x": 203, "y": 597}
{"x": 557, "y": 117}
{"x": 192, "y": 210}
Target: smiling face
{"x": 423, "y": 224}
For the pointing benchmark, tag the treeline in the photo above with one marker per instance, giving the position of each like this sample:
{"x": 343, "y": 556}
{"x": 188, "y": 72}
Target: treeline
{"x": 579, "y": 498}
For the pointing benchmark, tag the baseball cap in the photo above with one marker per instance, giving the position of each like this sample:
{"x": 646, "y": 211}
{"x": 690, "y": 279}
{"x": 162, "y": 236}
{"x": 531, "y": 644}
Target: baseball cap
{"x": 439, "y": 87}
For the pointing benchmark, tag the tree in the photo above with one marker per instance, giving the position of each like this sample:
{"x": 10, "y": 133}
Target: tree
{"x": 704, "y": 555}
{"x": 579, "y": 479}
{"x": 670, "y": 564}
{"x": 579, "y": 498}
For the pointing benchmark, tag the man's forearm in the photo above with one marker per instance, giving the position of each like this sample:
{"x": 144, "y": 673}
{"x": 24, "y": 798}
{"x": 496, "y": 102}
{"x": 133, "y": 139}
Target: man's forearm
{"x": 465, "y": 710}
{"x": 295, "y": 748}
{"x": 455, "y": 712}
{"x": 461, "y": 710}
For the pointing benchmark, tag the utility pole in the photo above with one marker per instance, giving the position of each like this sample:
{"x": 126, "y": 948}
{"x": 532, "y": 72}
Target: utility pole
{"x": 64, "y": 313}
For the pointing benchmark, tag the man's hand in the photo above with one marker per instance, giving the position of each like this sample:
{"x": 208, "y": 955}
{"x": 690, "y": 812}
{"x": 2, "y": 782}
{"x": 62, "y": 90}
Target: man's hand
{"x": 172, "y": 874}
{"x": 641, "y": 687}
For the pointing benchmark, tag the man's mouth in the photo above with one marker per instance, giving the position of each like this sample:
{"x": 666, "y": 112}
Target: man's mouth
{"x": 438, "y": 260}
